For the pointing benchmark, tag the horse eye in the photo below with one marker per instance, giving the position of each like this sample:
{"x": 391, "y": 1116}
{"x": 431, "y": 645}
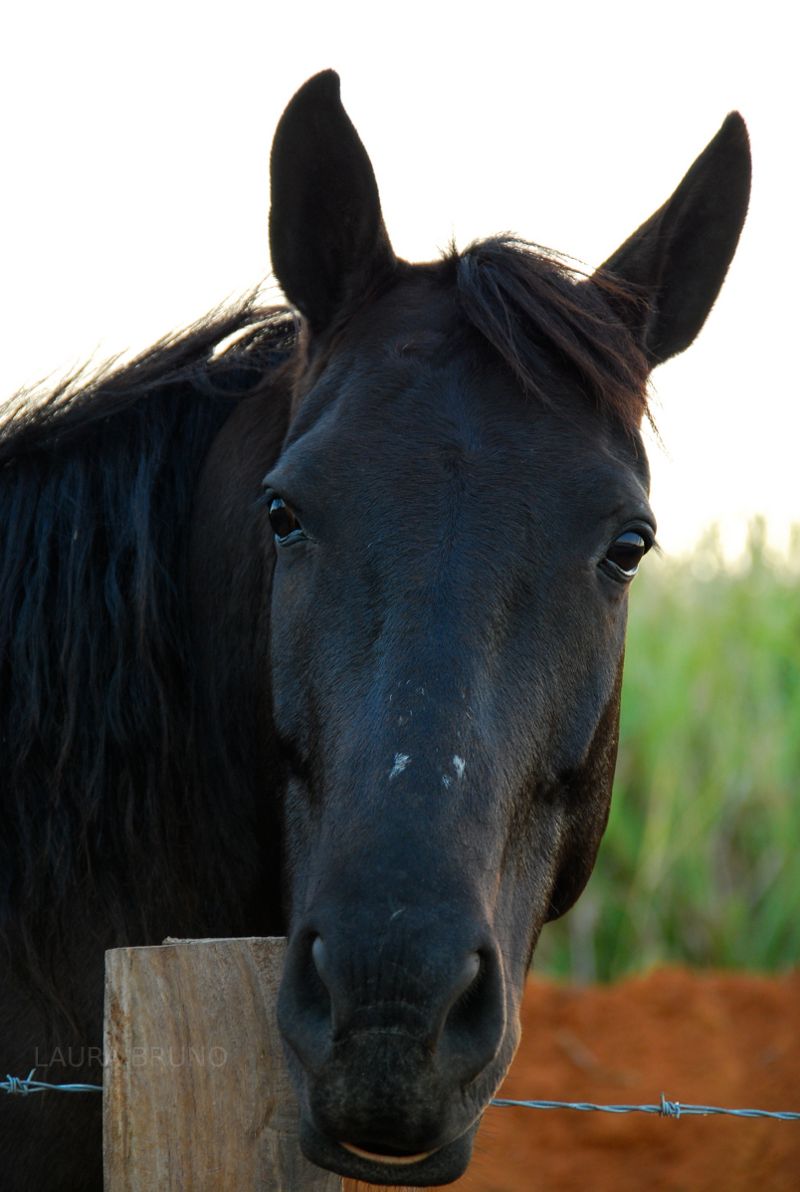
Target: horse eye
{"x": 625, "y": 553}
{"x": 283, "y": 520}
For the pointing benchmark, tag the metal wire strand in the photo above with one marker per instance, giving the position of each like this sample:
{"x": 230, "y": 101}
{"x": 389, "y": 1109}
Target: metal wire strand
{"x": 665, "y": 1108}
{"x": 23, "y": 1087}
{"x": 14, "y": 1085}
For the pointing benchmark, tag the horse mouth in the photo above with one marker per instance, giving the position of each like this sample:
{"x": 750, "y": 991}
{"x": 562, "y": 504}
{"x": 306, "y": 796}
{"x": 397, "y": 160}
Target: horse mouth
{"x": 419, "y": 1169}
{"x": 385, "y": 1159}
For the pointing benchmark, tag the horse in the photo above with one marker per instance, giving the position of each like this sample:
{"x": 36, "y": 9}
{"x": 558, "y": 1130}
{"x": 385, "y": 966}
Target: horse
{"x": 312, "y": 623}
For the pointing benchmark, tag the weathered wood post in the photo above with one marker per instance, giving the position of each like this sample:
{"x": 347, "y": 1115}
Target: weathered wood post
{"x": 196, "y": 1094}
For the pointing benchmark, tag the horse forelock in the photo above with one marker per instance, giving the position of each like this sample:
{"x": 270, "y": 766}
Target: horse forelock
{"x": 523, "y": 299}
{"x": 555, "y": 327}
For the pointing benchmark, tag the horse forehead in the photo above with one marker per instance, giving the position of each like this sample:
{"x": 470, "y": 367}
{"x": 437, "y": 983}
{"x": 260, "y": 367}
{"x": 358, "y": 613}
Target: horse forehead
{"x": 426, "y": 409}
{"x": 409, "y": 379}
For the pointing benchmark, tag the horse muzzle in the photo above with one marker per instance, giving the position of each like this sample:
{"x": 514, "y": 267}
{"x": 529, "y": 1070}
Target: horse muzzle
{"x": 395, "y": 1049}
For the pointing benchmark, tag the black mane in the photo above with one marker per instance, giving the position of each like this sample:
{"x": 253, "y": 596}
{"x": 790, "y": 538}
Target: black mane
{"x": 521, "y": 297}
{"x": 96, "y": 488}
{"x": 222, "y": 355}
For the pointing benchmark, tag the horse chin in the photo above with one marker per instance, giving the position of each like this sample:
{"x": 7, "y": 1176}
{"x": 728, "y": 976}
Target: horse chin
{"x": 440, "y": 1166}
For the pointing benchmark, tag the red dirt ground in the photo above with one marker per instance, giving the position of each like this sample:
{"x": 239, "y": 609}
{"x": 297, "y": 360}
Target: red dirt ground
{"x": 715, "y": 1039}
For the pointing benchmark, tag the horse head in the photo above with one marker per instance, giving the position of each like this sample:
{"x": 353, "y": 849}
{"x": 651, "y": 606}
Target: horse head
{"x": 446, "y": 539}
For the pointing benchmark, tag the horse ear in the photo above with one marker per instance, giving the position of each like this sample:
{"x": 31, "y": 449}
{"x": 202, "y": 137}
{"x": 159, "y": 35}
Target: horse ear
{"x": 678, "y": 258}
{"x": 327, "y": 238}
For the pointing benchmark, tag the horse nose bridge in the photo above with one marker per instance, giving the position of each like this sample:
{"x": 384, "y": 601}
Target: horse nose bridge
{"x": 435, "y": 646}
{"x": 436, "y": 678}
{"x": 425, "y": 718}
{"x": 434, "y": 741}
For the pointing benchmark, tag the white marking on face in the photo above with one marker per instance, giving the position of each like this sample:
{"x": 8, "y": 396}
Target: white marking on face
{"x": 401, "y": 760}
{"x": 445, "y": 780}
{"x": 459, "y": 766}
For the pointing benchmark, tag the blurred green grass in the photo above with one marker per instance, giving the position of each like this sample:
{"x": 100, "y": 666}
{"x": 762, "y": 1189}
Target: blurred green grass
{"x": 701, "y": 860}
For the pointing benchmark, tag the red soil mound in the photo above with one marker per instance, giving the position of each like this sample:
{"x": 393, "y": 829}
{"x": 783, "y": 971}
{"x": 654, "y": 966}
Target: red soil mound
{"x": 716, "y": 1039}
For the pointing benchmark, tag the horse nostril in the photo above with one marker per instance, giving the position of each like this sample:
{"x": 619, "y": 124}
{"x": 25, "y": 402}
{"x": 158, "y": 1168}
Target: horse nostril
{"x": 319, "y": 956}
{"x": 304, "y": 1000}
{"x": 475, "y": 1021}
{"x": 469, "y": 973}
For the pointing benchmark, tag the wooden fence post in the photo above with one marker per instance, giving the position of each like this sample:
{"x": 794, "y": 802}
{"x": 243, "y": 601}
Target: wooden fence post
{"x": 196, "y": 1093}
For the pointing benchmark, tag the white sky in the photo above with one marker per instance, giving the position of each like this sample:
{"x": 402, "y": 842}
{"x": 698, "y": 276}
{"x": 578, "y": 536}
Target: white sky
{"x": 135, "y": 142}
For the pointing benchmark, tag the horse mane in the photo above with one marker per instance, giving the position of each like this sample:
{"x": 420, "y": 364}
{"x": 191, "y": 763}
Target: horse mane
{"x": 522, "y": 298}
{"x": 97, "y": 480}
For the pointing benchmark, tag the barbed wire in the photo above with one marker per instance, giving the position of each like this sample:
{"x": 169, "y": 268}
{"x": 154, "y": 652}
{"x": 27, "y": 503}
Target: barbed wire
{"x": 665, "y": 1108}
{"x": 23, "y": 1087}
{"x": 14, "y": 1085}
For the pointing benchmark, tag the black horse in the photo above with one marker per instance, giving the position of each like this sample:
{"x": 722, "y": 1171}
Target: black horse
{"x": 313, "y": 623}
